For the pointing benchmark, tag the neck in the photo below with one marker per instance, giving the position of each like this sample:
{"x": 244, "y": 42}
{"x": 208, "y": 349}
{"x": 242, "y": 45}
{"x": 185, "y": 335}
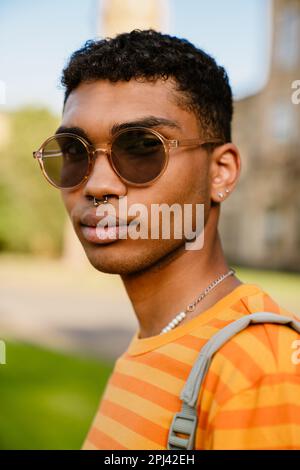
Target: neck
{"x": 160, "y": 292}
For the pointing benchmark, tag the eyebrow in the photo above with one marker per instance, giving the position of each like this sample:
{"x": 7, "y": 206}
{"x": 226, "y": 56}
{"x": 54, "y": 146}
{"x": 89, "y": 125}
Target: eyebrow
{"x": 73, "y": 130}
{"x": 148, "y": 121}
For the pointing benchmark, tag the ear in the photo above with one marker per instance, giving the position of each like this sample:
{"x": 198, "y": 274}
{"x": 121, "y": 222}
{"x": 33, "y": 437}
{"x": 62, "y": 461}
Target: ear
{"x": 225, "y": 167}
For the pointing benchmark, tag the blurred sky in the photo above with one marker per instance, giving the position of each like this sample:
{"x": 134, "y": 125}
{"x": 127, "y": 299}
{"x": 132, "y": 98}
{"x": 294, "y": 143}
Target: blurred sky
{"x": 37, "y": 37}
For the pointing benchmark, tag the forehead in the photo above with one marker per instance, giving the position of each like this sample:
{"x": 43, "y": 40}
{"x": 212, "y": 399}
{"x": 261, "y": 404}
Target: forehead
{"x": 97, "y": 105}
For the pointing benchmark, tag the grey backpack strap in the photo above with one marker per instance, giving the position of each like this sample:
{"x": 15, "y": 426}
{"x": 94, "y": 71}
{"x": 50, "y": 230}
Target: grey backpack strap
{"x": 185, "y": 421}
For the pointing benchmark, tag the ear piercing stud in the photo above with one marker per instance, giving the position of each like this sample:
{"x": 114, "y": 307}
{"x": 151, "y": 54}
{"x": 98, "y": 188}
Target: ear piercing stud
{"x": 221, "y": 195}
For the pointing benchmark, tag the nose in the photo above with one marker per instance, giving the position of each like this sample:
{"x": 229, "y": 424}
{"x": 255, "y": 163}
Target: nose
{"x": 103, "y": 179}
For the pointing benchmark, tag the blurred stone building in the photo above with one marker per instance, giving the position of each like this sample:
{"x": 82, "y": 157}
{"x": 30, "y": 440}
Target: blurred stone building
{"x": 117, "y": 16}
{"x": 260, "y": 223}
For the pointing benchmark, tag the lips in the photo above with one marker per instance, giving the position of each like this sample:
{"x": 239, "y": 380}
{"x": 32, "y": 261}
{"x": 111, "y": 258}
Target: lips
{"x": 112, "y": 228}
{"x": 91, "y": 220}
{"x": 101, "y": 235}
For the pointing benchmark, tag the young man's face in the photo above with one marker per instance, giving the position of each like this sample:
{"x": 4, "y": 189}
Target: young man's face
{"x": 96, "y": 107}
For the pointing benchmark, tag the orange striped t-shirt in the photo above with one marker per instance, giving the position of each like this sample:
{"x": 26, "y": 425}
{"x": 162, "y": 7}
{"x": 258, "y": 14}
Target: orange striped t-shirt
{"x": 250, "y": 397}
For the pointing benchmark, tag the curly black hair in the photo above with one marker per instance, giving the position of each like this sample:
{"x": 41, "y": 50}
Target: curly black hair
{"x": 203, "y": 85}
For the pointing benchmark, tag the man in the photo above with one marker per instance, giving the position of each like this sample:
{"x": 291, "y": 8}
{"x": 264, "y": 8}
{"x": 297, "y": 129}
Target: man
{"x": 153, "y": 118}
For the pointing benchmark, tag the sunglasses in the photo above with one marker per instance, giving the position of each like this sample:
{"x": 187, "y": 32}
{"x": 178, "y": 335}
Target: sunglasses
{"x": 138, "y": 155}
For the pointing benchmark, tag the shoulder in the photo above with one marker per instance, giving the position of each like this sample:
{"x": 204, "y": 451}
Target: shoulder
{"x": 260, "y": 352}
{"x": 262, "y": 347}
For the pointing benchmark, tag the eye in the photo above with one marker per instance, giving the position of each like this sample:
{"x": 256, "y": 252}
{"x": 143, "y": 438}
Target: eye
{"x": 138, "y": 144}
{"x": 73, "y": 151}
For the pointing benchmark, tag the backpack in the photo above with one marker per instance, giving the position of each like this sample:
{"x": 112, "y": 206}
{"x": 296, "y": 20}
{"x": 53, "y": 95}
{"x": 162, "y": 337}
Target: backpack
{"x": 185, "y": 421}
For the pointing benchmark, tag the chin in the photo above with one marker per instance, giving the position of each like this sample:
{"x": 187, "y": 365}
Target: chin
{"x": 126, "y": 260}
{"x": 112, "y": 265}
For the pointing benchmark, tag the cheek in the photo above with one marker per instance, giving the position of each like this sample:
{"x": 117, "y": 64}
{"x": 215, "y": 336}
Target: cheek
{"x": 69, "y": 199}
{"x": 185, "y": 179}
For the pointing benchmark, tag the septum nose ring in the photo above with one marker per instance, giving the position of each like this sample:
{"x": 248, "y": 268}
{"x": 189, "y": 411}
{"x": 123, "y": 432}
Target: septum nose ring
{"x": 99, "y": 201}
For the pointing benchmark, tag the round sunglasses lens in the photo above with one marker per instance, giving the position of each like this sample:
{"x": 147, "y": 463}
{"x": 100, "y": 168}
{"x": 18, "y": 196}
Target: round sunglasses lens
{"x": 138, "y": 156}
{"x": 65, "y": 161}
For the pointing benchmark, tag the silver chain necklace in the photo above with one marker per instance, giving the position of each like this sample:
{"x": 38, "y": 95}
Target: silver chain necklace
{"x": 191, "y": 307}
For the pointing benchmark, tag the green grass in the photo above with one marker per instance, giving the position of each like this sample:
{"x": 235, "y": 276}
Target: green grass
{"x": 47, "y": 399}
